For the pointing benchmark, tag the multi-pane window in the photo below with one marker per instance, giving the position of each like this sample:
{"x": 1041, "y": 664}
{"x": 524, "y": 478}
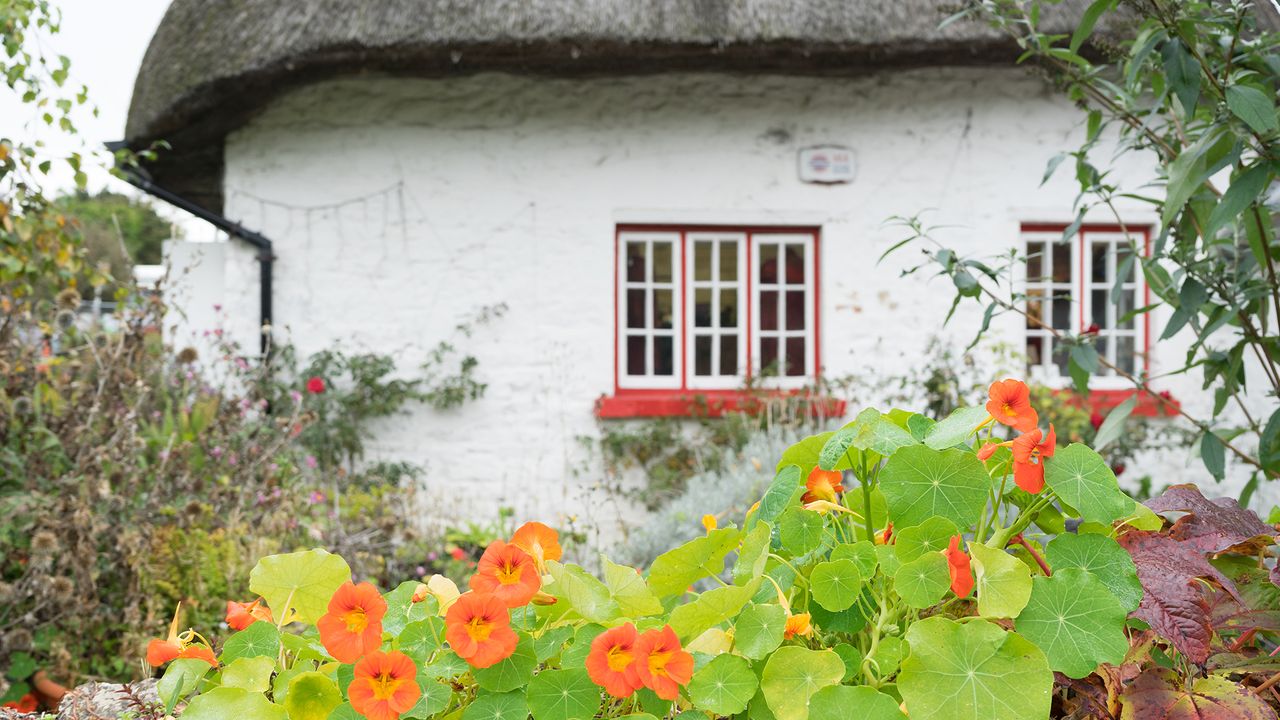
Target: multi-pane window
{"x": 1069, "y": 286}
{"x": 705, "y": 308}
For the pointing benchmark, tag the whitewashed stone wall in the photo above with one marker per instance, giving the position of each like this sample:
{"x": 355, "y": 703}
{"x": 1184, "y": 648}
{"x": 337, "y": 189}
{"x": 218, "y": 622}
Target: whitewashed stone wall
{"x": 399, "y": 207}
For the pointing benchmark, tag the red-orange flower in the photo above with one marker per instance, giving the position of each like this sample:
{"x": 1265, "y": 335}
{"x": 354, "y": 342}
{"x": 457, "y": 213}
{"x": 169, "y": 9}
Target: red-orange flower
{"x": 353, "y": 625}
{"x": 660, "y": 664}
{"x": 478, "y": 628}
{"x": 242, "y": 615}
{"x": 958, "y": 566}
{"x": 508, "y": 573}
{"x": 174, "y": 646}
{"x": 986, "y": 451}
{"x": 613, "y": 652}
{"x": 1010, "y": 404}
{"x": 822, "y": 485}
{"x": 1029, "y": 451}
{"x": 541, "y": 542}
{"x": 25, "y": 704}
{"x": 797, "y": 625}
{"x": 198, "y": 652}
{"x": 385, "y": 685}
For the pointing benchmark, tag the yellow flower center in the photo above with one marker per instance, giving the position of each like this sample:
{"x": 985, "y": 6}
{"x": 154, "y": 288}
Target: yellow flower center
{"x": 384, "y": 686}
{"x": 509, "y": 573}
{"x": 658, "y": 663}
{"x": 618, "y": 658}
{"x": 356, "y": 620}
{"x": 479, "y": 628}
{"x": 1009, "y": 410}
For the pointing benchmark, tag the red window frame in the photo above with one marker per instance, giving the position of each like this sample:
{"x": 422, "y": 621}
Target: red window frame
{"x": 684, "y": 401}
{"x": 1104, "y": 399}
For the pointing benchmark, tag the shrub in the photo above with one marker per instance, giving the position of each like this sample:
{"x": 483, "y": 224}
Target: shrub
{"x": 897, "y": 565}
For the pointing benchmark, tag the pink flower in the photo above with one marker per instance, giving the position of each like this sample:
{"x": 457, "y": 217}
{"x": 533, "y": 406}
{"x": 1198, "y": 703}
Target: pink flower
{"x": 317, "y": 497}
{"x": 311, "y": 461}
{"x": 315, "y": 385}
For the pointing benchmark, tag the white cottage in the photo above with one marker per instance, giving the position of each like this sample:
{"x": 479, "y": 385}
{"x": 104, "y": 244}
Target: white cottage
{"x": 670, "y": 196}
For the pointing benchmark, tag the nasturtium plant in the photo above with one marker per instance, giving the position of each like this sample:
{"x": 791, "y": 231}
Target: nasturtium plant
{"x": 897, "y": 567}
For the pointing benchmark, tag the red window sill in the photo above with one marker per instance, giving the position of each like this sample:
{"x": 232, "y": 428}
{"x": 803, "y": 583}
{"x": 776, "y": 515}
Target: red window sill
{"x": 702, "y": 403}
{"x": 1148, "y": 405}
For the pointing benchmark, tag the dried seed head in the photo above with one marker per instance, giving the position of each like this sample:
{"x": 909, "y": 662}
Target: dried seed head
{"x": 63, "y": 586}
{"x": 22, "y": 406}
{"x": 18, "y": 639}
{"x": 65, "y": 319}
{"x": 187, "y": 355}
{"x": 69, "y": 299}
{"x": 44, "y": 542}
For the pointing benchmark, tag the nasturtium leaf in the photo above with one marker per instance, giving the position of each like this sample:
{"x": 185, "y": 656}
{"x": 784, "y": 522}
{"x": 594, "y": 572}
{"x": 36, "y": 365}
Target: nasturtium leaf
{"x": 446, "y": 665}
{"x": 922, "y": 582}
{"x": 753, "y": 555}
{"x": 712, "y": 642}
{"x": 759, "y": 708}
{"x": 793, "y": 674}
{"x": 852, "y": 659}
{"x": 581, "y": 592}
{"x": 511, "y": 673}
{"x": 758, "y": 630}
{"x": 551, "y": 642}
{"x": 801, "y": 530}
{"x": 301, "y": 581}
{"x": 227, "y": 703}
{"x": 346, "y": 674}
{"x": 563, "y": 695}
{"x": 963, "y": 671}
{"x": 576, "y": 654}
{"x": 957, "y": 428}
{"x": 1102, "y": 557}
{"x": 180, "y": 679}
{"x": 651, "y": 703}
{"x": 259, "y": 639}
{"x": 280, "y": 683}
{"x": 864, "y": 703}
{"x": 628, "y": 589}
{"x": 1076, "y": 621}
{"x": 724, "y": 686}
{"x": 253, "y": 674}
{"x": 345, "y": 712}
{"x": 848, "y": 621}
{"x": 402, "y": 610}
{"x": 638, "y": 716}
{"x": 1159, "y": 694}
{"x": 1003, "y": 581}
{"x": 919, "y": 482}
{"x": 932, "y": 535}
{"x": 1084, "y": 481}
{"x": 419, "y": 639}
{"x": 435, "y": 697}
{"x": 889, "y": 562}
{"x": 305, "y": 645}
{"x": 710, "y": 609}
{"x": 674, "y": 571}
{"x": 862, "y": 553}
{"x": 804, "y": 454}
{"x": 870, "y": 430}
{"x": 888, "y": 655}
{"x": 787, "y": 485}
{"x": 498, "y": 706}
{"x": 835, "y": 584}
{"x": 311, "y": 696}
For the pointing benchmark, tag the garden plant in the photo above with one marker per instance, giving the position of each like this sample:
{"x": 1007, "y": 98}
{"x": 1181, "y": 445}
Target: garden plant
{"x": 960, "y": 568}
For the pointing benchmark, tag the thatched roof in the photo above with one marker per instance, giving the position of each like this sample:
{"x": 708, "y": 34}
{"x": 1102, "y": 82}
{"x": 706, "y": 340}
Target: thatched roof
{"x": 213, "y": 63}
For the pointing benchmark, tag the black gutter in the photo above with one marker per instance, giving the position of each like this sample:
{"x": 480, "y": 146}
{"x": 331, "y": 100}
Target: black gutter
{"x": 266, "y": 257}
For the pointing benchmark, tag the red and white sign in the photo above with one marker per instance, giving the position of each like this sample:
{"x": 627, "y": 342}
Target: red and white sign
{"x": 826, "y": 164}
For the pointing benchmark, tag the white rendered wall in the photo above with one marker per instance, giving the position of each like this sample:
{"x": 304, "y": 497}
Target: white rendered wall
{"x": 399, "y": 207}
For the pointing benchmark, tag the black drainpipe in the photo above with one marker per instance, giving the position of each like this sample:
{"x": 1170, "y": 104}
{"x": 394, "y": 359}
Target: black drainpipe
{"x": 266, "y": 258}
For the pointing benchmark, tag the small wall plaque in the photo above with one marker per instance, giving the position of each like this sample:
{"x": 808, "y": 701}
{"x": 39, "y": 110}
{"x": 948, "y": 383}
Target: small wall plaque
{"x": 826, "y": 164}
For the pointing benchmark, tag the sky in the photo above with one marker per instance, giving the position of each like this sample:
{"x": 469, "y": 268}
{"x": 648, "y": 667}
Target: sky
{"x": 105, "y": 41}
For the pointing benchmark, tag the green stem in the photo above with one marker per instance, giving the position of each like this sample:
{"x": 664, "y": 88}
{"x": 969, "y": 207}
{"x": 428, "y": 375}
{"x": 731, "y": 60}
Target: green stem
{"x": 1000, "y": 539}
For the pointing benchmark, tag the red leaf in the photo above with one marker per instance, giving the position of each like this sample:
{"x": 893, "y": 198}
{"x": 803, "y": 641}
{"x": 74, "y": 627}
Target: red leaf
{"x": 1157, "y": 694}
{"x": 1173, "y": 598}
{"x": 1210, "y": 525}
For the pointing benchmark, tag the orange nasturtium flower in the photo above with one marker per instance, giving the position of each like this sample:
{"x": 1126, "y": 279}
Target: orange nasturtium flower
{"x": 385, "y": 685}
{"x": 958, "y": 566}
{"x": 660, "y": 664}
{"x": 1029, "y": 451}
{"x": 822, "y": 485}
{"x": 540, "y": 541}
{"x": 177, "y": 646}
{"x": 1010, "y": 404}
{"x": 353, "y": 625}
{"x": 799, "y": 624}
{"x": 242, "y": 615}
{"x": 27, "y": 703}
{"x": 610, "y": 661}
{"x": 709, "y": 522}
{"x": 508, "y": 573}
{"x": 478, "y": 628}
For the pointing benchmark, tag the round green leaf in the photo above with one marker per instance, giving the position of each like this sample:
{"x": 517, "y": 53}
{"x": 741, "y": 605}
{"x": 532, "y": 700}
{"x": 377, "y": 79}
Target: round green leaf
{"x": 973, "y": 670}
{"x": 793, "y": 674}
{"x": 563, "y": 695}
{"x": 919, "y": 482}
{"x": 227, "y": 703}
{"x": 498, "y": 706}
{"x": 311, "y": 696}
{"x": 787, "y": 486}
{"x": 888, "y": 558}
{"x": 576, "y": 654}
{"x": 724, "y": 686}
{"x": 1003, "y": 581}
{"x": 419, "y": 639}
{"x": 889, "y": 654}
{"x": 835, "y": 584}
{"x": 1085, "y": 482}
{"x": 932, "y": 535}
{"x": 435, "y": 697}
{"x": 511, "y": 673}
{"x": 922, "y": 582}
{"x": 862, "y": 553}
{"x": 852, "y": 659}
{"x": 302, "y": 581}
{"x": 1104, "y": 558}
{"x": 261, "y": 639}
{"x": 759, "y": 629}
{"x": 345, "y": 712}
{"x": 1076, "y": 620}
{"x": 253, "y": 674}
{"x": 864, "y": 703}
{"x": 402, "y": 610}
{"x": 180, "y": 679}
{"x": 801, "y": 530}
